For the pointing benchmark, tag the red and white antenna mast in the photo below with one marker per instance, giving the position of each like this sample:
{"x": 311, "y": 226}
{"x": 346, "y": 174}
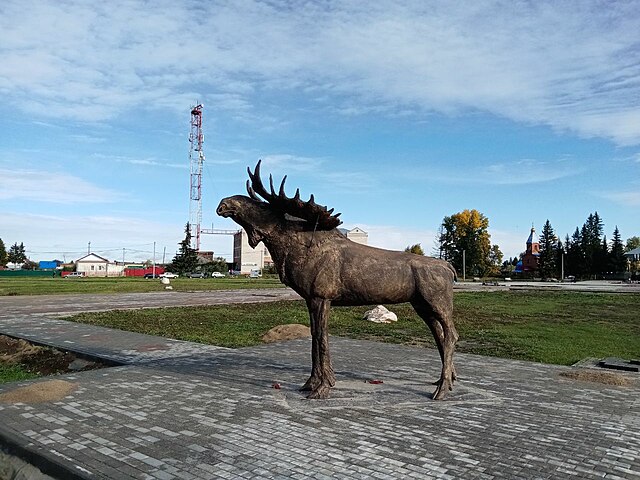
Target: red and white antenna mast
{"x": 196, "y": 160}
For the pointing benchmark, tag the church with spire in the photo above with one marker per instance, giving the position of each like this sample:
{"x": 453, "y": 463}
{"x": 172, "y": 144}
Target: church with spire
{"x": 529, "y": 262}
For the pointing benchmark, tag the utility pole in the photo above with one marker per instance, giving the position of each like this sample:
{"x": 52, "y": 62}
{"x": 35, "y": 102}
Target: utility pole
{"x": 164, "y": 252}
{"x": 154, "y": 259}
{"x": 123, "y": 256}
{"x": 464, "y": 265}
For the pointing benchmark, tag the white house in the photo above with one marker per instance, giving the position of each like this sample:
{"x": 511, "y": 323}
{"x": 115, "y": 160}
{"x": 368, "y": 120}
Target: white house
{"x": 93, "y": 265}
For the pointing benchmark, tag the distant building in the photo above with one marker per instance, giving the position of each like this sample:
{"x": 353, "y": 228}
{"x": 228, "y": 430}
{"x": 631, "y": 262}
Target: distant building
{"x": 49, "y": 264}
{"x": 93, "y": 265}
{"x": 529, "y": 262}
{"x": 246, "y": 258}
{"x": 356, "y": 234}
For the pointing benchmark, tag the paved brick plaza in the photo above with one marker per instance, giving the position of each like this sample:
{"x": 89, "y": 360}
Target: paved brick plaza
{"x": 187, "y": 411}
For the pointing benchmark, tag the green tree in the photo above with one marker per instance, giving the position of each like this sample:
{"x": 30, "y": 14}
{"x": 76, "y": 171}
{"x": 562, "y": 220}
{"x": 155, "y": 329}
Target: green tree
{"x": 218, "y": 264}
{"x": 186, "y": 260}
{"x": 16, "y": 254}
{"x": 3, "y": 254}
{"x": 617, "y": 260}
{"x": 29, "y": 265}
{"x": 632, "y": 243}
{"x": 591, "y": 244}
{"x": 467, "y": 232}
{"x": 417, "y": 249}
{"x": 574, "y": 264}
{"x": 495, "y": 261}
{"x": 548, "y": 255}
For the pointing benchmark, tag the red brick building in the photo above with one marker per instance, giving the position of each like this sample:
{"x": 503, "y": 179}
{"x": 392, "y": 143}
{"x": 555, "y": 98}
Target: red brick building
{"x": 532, "y": 254}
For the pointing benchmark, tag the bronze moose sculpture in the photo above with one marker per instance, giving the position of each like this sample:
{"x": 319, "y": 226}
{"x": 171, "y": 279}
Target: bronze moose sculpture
{"x": 324, "y": 267}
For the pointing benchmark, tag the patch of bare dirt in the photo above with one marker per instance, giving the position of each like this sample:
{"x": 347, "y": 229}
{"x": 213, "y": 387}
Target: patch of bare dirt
{"x": 47, "y": 391}
{"x": 41, "y": 360}
{"x": 291, "y": 331}
{"x": 606, "y": 378}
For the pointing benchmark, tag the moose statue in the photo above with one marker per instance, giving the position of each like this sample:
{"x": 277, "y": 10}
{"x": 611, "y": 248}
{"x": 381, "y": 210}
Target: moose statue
{"x": 324, "y": 267}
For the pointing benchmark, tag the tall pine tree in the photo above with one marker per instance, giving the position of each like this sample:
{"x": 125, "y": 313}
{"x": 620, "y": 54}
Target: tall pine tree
{"x": 617, "y": 260}
{"x": 548, "y": 255}
{"x": 186, "y": 260}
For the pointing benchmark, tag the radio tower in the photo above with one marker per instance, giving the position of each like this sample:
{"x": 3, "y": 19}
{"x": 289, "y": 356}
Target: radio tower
{"x": 196, "y": 160}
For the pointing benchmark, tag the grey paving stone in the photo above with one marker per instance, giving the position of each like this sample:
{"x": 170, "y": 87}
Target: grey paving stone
{"x": 189, "y": 411}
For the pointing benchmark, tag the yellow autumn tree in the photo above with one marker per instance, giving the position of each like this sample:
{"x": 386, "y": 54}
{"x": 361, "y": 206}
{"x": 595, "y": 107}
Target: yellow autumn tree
{"x": 467, "y": 232}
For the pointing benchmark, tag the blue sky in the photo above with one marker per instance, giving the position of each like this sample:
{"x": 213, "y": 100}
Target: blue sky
{"x": 396, "y": 115}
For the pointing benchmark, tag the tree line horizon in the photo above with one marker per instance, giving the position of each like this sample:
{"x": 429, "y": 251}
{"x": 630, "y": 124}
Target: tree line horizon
{"x": 584, "y": 254}
{"x": 464, "y": 238}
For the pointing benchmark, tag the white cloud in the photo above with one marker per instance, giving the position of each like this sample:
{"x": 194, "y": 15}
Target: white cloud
{"x": 151, "y": 162}
{"x": 108, "y": 236}
{"x": 52, "y": 187}
{"x": 627, "y": 199}
{"x": 519, "y": 172}
{"x": 571, "y": 66}
{"x": 392, "y": 237}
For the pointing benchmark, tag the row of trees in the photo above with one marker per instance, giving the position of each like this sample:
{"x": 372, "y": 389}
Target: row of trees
{"x": 586, "y": 254}
{"x": 16, "y": 254}
{"x": 463, "y": 239}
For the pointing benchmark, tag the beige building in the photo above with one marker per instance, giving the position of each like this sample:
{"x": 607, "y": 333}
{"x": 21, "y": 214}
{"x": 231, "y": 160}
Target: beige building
{"x": 246, "y": 258}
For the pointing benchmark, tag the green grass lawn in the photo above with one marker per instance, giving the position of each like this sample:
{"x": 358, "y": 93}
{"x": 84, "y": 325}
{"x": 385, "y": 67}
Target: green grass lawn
{"x": 550, "y": 327}
{"x": 58, "y": 285}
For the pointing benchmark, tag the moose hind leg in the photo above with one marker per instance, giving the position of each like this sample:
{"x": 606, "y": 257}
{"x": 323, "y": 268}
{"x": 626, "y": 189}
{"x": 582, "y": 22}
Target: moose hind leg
{"x": 450, "y": 337}
{"x": 440, "y": 323}
{"x": 322, "y": 376}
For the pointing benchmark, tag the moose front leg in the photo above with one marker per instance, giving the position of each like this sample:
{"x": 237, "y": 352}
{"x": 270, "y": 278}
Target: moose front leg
{"x": 322, "y": 376}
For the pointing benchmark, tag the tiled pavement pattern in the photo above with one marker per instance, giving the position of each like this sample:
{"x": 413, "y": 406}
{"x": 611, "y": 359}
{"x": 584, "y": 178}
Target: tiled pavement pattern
{"x": 185, "y": 411}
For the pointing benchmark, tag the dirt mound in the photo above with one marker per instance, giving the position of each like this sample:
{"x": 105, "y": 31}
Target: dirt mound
{"x": 41, "y": 360}
{"x": 607, "y": 378}
{"x": 49, "y": 391}
{"x": 286, "y": 332}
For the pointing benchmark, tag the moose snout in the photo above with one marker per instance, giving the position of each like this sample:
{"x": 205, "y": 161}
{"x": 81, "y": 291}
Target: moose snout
{"x": 224, "y": 210}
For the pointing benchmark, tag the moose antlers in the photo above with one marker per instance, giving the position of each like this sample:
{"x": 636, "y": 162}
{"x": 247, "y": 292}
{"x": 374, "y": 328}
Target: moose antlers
{"x": 310, "y": 211}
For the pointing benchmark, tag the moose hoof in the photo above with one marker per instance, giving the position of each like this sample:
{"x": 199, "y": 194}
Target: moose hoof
{"x": 321, "y": 392}
{"x": 443, "y": 388}
{"x": 310, "y": 384}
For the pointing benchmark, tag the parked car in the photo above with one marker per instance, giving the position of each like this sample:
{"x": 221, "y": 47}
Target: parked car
{"x": 151, "y": 275}
{"x": 218, "y": 275}
{"x": 169, "y": 275}
{"x": 74, "y": 275}
{"x": 196, "y": 275}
